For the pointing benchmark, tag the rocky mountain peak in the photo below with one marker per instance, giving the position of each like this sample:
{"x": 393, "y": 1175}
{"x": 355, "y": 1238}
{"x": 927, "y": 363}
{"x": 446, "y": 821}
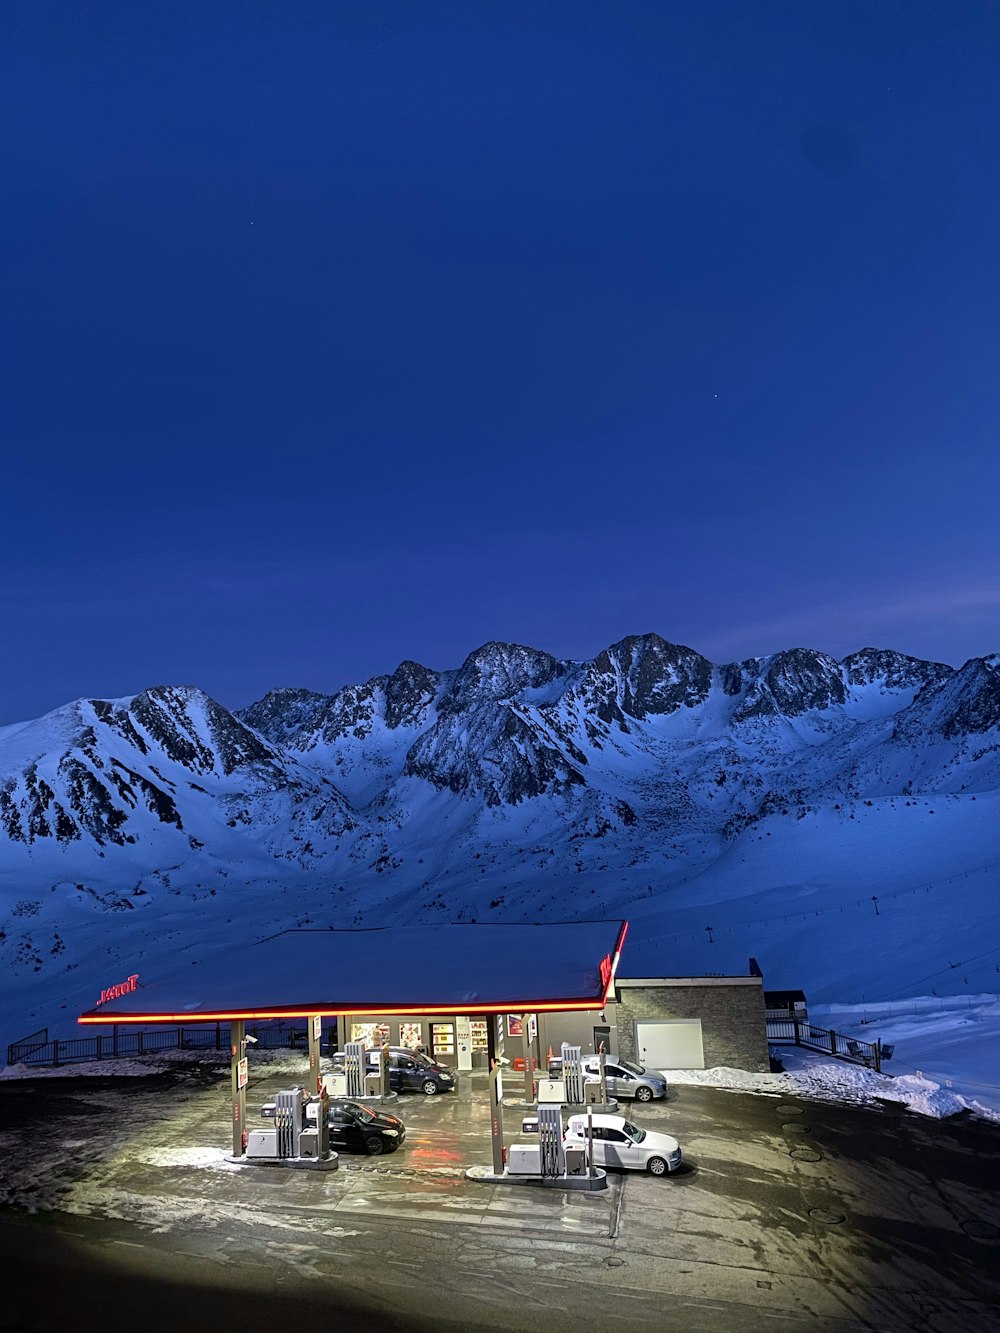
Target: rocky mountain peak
{"x": 193, "y": 730}
{"x": 792, "y": 682}
{"x": 966, "y": 704}
{"x": 892, "y": 670}
{"x": 284, "y": 714}
{"x": 802, "y": 679}
{"x": 409, "y": 691}
{"x": 498, "y": 671}
{"x": 644, "y": 675}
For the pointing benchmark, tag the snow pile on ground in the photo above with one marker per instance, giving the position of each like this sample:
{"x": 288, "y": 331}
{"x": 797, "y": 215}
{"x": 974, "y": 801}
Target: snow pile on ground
{"x": 811, "y": 1075}
{"x": 951, "y": 1040}
{"x": 270, "y": 1062}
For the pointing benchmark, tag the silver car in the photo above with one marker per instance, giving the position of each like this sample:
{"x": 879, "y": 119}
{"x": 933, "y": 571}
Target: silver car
{"x": 626, "y": 1079}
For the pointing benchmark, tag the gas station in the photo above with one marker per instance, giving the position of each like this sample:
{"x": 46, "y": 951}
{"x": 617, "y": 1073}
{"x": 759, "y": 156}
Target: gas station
{"x": 486, "y": 994}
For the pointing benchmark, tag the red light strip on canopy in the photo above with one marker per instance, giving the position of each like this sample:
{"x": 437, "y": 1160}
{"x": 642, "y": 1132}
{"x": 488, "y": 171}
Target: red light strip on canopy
{"x": 298, "y": 1011}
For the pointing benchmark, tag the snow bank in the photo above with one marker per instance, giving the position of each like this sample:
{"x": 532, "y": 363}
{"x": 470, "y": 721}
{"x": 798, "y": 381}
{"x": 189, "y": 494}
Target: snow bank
{"x": 264, "y": 1062}
{"x": 810, "y": 1075}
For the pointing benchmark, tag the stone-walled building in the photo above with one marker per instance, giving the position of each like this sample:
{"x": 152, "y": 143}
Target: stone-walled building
{"x": 673, "y": 1023}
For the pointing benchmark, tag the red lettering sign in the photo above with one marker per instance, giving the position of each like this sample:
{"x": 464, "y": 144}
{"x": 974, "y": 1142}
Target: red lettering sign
{"x": 116, "y": 992}
{"x": 606, "y": 970}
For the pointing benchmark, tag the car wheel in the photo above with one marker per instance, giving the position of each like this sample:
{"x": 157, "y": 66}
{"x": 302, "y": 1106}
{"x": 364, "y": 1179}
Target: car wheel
{"x": 429, "y": 1087}
{"x": 656, "y": 1166}
{"x": 643, "y": 1094}
{"x": 374, "y": 1146}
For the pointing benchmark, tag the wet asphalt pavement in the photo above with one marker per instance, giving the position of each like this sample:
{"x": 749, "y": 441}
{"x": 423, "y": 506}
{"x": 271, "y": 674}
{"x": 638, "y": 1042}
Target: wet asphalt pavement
{"x": 788, "y": 1215}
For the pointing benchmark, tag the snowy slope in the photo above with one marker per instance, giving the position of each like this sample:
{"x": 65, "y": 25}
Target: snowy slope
{"x": 770, "y": 799}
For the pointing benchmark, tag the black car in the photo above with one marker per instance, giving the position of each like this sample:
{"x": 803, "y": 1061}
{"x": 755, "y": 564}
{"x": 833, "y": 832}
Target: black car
{"x": 357, "y": 1128}
{"x": 409, "y": 1071}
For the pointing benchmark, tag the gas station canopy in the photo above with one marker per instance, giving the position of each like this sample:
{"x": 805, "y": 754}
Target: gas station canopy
{"x": 398, "y": 970}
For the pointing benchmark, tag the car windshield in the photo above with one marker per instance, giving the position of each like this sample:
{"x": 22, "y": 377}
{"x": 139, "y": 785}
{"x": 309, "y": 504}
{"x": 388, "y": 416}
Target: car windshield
{"x": 359, "y": 1112}
{"x": 634, "y": 1132}
{"x": 418, "y": 1058}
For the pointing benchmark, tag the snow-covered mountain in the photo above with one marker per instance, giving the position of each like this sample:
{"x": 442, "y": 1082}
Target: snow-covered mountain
{"x": 648, "y": 782}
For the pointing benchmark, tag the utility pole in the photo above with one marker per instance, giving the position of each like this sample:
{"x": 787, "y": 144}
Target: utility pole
{"x": 710, "y": 939}
{"x": 875, "y": 901}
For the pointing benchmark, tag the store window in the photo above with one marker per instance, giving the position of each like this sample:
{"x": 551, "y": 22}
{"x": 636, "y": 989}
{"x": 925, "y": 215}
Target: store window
{"x": 411, "y": 1035}
{"x": 372, "y": 1034}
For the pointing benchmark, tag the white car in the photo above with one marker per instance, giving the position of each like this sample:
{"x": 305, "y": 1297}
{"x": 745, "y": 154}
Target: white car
{"x": 619, "y": 1143}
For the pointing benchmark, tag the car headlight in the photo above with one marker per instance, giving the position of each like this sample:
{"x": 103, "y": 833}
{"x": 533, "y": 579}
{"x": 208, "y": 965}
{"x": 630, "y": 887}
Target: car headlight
{"x": 445, "y": 1078}
{"x": 391, "y": 1133}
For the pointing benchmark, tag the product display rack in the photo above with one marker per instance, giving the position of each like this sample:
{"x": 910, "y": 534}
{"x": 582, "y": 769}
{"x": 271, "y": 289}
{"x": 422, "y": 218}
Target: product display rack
{"x": 479, "y": 1039}
{"x": 443, "y": 1038}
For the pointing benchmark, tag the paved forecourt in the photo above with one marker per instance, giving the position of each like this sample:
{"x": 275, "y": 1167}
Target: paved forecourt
{"x": 789, "y": 1214}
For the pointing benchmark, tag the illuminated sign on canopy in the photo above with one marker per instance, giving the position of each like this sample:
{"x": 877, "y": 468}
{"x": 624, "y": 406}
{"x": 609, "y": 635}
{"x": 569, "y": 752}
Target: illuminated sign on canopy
{"x": 609, "y": 966}
{"x": 116, "y": 992}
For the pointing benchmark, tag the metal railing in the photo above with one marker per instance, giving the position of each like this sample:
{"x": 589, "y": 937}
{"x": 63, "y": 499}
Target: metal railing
{"x": 815, "y": 1038}
{"x": 39, "y": 1050}
{"x": 18, "y": 1051}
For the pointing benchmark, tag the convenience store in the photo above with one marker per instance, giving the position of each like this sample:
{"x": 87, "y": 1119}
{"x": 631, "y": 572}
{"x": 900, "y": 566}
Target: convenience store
{"x": 456, "y": 1039}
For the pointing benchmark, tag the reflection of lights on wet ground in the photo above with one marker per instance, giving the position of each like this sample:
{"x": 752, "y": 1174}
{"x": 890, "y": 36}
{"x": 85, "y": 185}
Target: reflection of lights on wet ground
{"x": 198, "y": 1156}
{"x": 429, "y": 1158}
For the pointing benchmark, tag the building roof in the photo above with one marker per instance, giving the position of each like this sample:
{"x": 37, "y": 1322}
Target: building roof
{"x": 779, "y": 997}
{"x": 405, "y": 969}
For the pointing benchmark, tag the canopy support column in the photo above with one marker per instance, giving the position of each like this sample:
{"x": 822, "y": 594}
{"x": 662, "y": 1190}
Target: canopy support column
{"x": 237, "y": 1049}
{"x": 528, "y": 1025}
{"x": 496, "y": 1095}
{"x": 315, "y": 1031}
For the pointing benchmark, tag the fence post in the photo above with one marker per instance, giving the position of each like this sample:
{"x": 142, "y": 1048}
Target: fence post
{"x": 218, "y": 1036}
{"x": 100, "y": 1047}
{"x": 798, "y": 1033}
{"x": 55, "y": 1050}
{"x": 114, "y": 1039}
{"x": 180, "y": 1037}
{"x": 877, "y": 1048}
{"x": 833, "y": 1042}
{"x": 138, "y": 1044}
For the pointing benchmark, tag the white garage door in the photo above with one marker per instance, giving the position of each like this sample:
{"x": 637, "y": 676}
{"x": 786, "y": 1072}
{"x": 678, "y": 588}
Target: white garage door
{"x": 669, "y": 1043}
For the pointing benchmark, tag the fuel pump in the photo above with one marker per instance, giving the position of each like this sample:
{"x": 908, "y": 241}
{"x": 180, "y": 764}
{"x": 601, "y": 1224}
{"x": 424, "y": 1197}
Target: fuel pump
{"x": 550, "y": 1139}
{"x": 355, "y": 1055}
{"x": 300, "y": 1133}
{"x": 572, "y": 1074}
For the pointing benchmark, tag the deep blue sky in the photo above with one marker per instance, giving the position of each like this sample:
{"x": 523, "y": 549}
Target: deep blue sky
{"x": 342, "y": 333}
